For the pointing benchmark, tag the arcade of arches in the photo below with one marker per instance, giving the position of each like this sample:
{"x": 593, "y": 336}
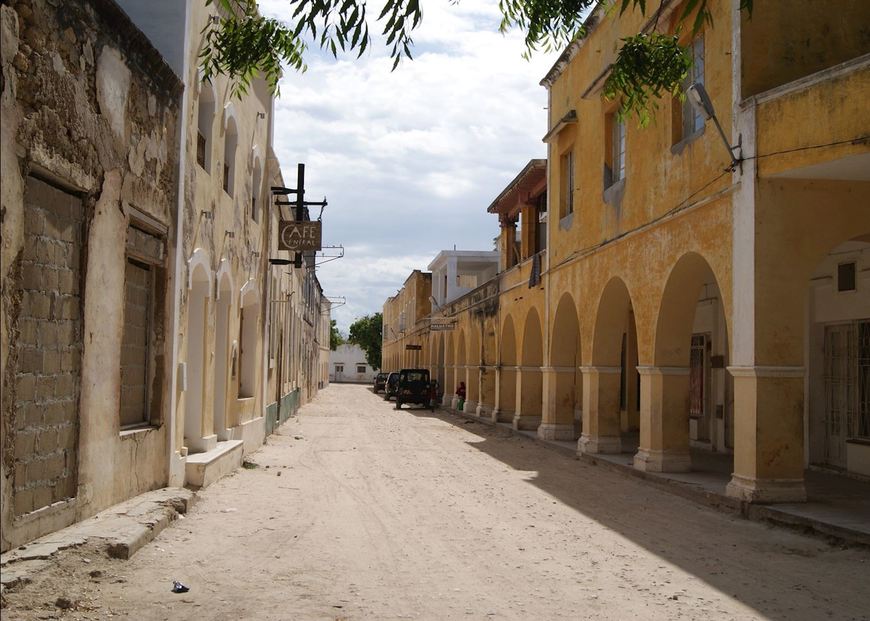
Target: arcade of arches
{"x": 620, "y": 369}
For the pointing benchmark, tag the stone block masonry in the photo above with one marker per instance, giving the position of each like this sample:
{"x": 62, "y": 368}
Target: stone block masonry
{"x": 48, "y": 349}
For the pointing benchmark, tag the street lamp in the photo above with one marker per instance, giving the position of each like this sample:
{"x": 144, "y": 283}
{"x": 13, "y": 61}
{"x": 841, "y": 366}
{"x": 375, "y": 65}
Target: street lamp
{"x": 700, "y": 102}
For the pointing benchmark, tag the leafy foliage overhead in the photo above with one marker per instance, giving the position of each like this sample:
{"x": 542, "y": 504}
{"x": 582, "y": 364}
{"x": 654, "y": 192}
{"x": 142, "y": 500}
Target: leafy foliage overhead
{"x": 242, "y": 44}
{"x": 367, "y": 332}
{"x": 335, "y": 337}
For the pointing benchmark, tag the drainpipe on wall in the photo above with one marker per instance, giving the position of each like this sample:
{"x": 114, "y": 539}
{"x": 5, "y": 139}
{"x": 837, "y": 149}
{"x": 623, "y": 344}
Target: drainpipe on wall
{"x": 175, "y": 470}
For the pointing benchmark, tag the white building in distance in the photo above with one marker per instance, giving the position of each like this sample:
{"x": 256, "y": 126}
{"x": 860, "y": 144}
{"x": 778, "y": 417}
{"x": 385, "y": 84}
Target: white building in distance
{"x": 347, "y": 363}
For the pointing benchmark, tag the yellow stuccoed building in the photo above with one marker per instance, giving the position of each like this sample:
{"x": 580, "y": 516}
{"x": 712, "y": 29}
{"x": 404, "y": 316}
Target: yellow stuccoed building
{"x": 665, "y": 302}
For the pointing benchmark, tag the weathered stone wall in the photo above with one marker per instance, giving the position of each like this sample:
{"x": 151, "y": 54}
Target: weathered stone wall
{"x": 89, "y": 143}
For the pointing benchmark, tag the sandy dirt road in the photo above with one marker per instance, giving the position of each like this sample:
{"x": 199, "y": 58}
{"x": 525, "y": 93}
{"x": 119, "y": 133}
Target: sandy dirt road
{"x": 358, "y": 511}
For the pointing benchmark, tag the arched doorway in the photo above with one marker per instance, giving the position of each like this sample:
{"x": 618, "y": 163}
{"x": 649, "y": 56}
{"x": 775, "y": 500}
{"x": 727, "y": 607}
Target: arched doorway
{"x": 222, "y": 354}
{"x": 531, "y": 382}
{"x": 688, "y": 391}
{"x": 563, "y": 376}
{"x": 507, "y": 373}
{"x": 611, "y": 396}
{"x": 199, "y": 291}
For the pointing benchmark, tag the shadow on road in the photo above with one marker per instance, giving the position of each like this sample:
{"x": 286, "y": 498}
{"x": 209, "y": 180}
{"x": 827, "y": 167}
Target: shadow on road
{"x": 763, "y": 567}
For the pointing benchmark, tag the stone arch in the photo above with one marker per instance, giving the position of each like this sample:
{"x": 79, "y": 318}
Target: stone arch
{"x": 690, "y": 331}
{"x": 224, "y": 279}
{"x": 564, "y": 391}
{"x": 199, "y": 264}
{"x": 610, "y": 382}
{"x": 507, "y": 374}
{"x": 199, "y": 293}
{"x": 690, "y": 274}
{"x": 531, "y": 379}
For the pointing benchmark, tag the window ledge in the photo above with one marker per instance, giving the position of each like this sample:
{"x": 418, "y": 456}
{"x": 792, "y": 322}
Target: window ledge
{"x": 566, "y": 222}
{"x": 613, "y": 194}
{"x": 130, "y": 432}
{"x": 861, "y": 441}
{"x": 679, "y": 147}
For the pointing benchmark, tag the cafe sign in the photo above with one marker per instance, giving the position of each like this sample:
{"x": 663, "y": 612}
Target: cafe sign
{"x": 299, "y": 236}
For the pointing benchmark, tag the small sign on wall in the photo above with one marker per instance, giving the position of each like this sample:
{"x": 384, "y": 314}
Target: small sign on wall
{"x": 298, "y": 236}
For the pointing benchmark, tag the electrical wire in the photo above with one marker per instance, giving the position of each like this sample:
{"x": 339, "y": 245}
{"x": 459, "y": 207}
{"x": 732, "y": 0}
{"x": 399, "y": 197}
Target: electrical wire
{"x": 864, "y": 139}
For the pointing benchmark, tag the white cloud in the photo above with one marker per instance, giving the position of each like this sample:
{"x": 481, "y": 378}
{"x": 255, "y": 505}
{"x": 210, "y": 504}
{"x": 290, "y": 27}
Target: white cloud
{"x": 410, "y": 159}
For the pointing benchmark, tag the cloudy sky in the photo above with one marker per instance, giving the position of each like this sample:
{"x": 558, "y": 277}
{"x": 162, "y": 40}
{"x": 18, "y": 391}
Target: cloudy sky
{"x": 409, "y": 160}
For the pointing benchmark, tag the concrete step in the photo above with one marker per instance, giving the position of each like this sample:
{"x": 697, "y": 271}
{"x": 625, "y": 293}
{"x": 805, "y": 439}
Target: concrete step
{"x": 119, "y": 530}
{"x": 203, "y": 469}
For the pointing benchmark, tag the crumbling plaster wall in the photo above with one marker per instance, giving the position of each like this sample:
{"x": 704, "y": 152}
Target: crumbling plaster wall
{"x": 89, "y": 107}
{"x": 221, "y": 224}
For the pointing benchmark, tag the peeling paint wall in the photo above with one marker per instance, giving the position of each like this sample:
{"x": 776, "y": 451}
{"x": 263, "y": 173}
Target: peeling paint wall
{"x": 89, "y": 114}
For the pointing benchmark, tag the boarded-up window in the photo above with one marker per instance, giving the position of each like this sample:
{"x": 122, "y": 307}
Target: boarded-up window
{"x": 142, "y": 335}
{"x": 138, "y": 294}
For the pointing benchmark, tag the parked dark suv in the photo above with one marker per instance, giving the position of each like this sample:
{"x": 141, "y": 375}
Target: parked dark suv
{"x": 391, "y": 385}
{"x": 380, "y": 382}
{"x": 413, "y": 387}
